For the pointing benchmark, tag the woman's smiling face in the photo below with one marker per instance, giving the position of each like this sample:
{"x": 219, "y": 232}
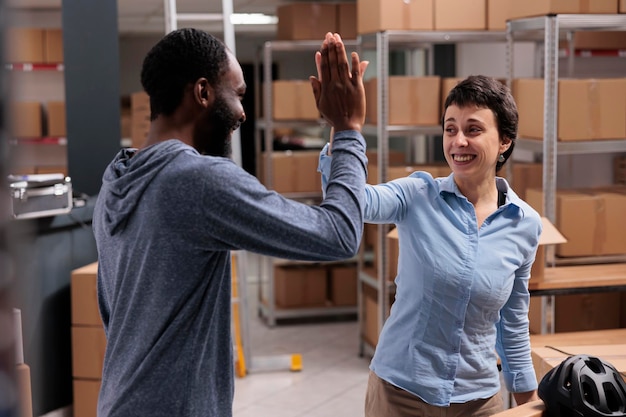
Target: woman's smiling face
{"x": 471, "y": 142}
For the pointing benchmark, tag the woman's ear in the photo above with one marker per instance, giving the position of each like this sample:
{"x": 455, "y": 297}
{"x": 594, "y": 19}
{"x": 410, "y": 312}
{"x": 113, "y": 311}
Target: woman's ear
{"x": 505, "y": 144}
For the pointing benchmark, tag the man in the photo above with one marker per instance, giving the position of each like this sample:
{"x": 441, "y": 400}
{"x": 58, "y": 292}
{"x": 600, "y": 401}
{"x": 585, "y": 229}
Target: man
{"x": 169, "y": 214}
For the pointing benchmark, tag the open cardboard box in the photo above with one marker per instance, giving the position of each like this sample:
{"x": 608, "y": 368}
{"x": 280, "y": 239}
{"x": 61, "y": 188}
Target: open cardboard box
{"x": 549, "y": 236}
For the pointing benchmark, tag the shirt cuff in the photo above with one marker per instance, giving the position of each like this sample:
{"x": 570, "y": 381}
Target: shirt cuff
{"x": 520, "y": 381}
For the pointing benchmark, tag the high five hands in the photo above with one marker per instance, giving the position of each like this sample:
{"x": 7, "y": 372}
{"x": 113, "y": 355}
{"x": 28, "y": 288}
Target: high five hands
{"x": 338, "y": 90}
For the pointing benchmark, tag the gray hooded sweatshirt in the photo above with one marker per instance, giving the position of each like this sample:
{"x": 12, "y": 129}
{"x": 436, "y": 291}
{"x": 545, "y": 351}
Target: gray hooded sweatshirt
{"x": 165, "y": 221}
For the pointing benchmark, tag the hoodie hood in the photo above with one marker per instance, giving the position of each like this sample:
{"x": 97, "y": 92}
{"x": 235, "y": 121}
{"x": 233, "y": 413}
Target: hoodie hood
{"x": 127, "y": 177}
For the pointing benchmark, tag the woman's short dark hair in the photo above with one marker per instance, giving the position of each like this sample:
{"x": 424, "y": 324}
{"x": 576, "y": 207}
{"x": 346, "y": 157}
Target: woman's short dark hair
{"x": 181, "y": 57}
{"x": 488, "y": 92}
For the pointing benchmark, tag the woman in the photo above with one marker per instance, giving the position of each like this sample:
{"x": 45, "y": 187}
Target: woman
{"x": 467, "y": 244}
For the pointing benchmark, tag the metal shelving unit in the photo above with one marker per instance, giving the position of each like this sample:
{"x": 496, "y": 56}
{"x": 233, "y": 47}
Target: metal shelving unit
{"x": 384, "y": 42}
{"x": 547, "y": 31}
{"x": 264, "y": 134}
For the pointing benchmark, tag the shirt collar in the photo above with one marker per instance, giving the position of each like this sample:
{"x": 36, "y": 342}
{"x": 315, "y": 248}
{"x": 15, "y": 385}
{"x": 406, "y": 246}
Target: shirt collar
{"x": 448, "y": 185}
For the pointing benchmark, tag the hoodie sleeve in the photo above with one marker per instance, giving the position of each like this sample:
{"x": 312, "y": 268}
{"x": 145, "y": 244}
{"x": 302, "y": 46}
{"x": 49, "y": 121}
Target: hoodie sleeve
{"x": 242, "y": 214}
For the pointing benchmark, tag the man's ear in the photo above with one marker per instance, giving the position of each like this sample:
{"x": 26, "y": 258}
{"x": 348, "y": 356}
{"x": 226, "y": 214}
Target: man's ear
{"x": 203, "y": 92}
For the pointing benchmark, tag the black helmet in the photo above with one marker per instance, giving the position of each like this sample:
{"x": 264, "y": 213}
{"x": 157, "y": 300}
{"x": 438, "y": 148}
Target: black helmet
{"x": 584, "y": 386}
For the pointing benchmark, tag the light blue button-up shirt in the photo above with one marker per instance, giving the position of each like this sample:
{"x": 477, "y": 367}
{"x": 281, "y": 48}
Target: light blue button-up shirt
{"x": 461, "y": 292}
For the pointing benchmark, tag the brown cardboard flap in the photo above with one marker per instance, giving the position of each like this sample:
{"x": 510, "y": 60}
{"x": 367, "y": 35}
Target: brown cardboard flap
{"x": 550, "y": 234}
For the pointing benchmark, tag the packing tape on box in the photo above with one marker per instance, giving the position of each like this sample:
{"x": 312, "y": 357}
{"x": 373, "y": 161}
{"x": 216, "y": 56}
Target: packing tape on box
{"x": 595, "y": 109}
{"x": 19, "y": 344}
{"x": 406, "y": 13}
{"x": 584, "y": 6}
{"x": 599, "y": 237}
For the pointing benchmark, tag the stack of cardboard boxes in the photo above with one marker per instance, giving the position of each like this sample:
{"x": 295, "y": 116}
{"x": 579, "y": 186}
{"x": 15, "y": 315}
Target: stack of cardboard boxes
{"x": 312, "y": 20}
{"x": 34, "y": 45}
{"x": 588, "y": 109}
{"x": 315, "y": 285}
{"x": 88, "y": 340}
{"x": 139, "y": 118}
{"x": 466, "y": 15}
{"x": 293, "y": 171}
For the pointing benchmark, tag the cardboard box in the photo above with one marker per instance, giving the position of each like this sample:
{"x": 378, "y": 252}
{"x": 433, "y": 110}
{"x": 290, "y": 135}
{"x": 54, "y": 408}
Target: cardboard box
{"x": 447, "y": 84}
{"x": 528, "y": 94}
{"x": 293, "y": 172}
{"x": 592, "y": 109}
{"x": 86, "y": 397}
{"x": 284, "y": 100}
{"x": 125, "y": 125}
{"x": 460, "y": 14}
{"x": 590, "y": 220}
{"x": 369, "y": 312}
{"x": 343, "y": 285}
{"x": 346, "y": 20}
{"x": 293, "y": 100}
{"x": 580, "y": 312}
{"x": 26, "y": 119}
{"x": 613, "y": 222}
{"x": 84, "y": 298}
{"x": 53, "y": 46}
{"x": 622, "y": 314}
{"x": 306, "y": 21}
{"x": 51, "y": 169}
{"x": 307, "y": 179}
{"x": 88, "y": 347}
{"x": 379, "y": 15}
{"x": 498, "y": 12}
{"x": 571, "y": 208}
{"x": 588, "y": 109}
{"x": 549, "y": 236}
{"x": 56, "y": 119}
{"x": 282, "y": 180}
{"x": 139, "y": 133}
{"x": 530, "y": 409}
{"x": 619, "y": 170}
{"x": 139, "y": 118}
{"x": 139, "y": 102}
{"x": 526, "y": 175}
{"x": 25, "y": 45}
{"x": 370, "y": 234}
{"x": 393, "y": 252}
{"x": 412, "y": 100}
{"x": 588, "y": 39}
{"x": 547, "y": 358}
{"x": 300, "y": 286}
{"x": 543, "y": 7}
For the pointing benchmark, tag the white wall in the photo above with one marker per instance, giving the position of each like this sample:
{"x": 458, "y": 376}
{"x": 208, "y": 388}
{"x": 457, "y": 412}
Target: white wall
{"x": 490, "y": 59}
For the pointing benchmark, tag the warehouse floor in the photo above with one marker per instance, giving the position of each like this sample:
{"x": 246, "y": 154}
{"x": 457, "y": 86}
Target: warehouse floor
{"x": 333, "y": 377}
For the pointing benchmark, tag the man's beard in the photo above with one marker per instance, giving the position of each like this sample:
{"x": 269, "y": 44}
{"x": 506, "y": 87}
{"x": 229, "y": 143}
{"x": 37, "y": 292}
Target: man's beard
{"x": 216, "y": 140}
